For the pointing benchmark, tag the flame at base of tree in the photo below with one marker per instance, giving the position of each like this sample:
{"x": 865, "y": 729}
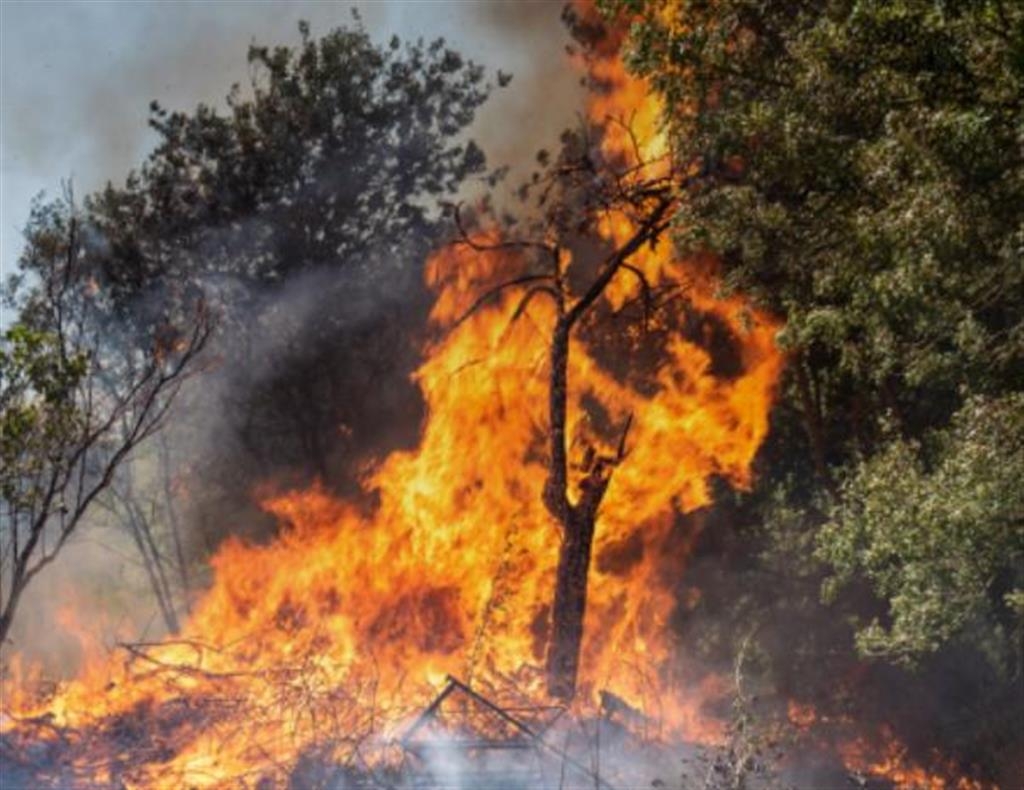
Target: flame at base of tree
{"x": 325, "y": 642}
{"x": 329, "y": 637}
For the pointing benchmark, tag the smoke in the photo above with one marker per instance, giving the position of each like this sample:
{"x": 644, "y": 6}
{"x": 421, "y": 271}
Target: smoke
{"x": 77, "y": 78}
{"x": 545, "y": 96}
{"x": 573, "y": 754}
{"x": 92, "y": 597}
{"x": 81, "y": 113}
{"x": 330, "y": 350}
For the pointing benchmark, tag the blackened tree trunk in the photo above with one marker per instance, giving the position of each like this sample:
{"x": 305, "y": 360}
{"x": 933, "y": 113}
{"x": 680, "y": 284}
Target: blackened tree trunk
{"x": 575, "y": 512}
{"x": 570, "y": 603}
{"x": 577, "y": 519}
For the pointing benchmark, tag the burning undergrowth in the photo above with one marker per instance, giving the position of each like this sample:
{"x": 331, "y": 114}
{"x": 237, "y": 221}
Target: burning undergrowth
{"x": 334, "y": 633}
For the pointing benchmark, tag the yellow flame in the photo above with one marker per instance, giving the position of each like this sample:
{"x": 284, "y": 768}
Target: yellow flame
{"x": 347, "y": 621}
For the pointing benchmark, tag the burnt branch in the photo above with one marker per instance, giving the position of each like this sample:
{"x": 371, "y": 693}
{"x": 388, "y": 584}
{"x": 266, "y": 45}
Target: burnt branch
{"x": 648, "y": 232}
{"x": 491, "y": 294}
{"x": 466, "y": 238}
{"x": 646, "y": 292}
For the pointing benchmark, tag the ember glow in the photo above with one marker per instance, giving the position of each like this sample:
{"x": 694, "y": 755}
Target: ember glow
{"x": 891, "y": 761}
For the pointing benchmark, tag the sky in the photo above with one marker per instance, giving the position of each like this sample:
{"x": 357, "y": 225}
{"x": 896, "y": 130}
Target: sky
{"x": 77, "y": 77}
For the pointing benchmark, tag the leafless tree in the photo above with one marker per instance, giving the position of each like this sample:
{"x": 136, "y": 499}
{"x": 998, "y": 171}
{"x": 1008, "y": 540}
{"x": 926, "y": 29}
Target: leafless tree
{"x": 77, "y": 401}
{"x": 575, "y": 194}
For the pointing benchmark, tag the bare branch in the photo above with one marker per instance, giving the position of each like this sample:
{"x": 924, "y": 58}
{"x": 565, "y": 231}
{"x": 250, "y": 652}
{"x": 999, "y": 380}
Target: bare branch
{"x": 514, "y": 244}
{"x": 494, "y": 292}
{"x": 649, "y": 231}
{"x": 646, "y": 293}
{"x": 136, "y": 399}
{"x": 528, "y": 296}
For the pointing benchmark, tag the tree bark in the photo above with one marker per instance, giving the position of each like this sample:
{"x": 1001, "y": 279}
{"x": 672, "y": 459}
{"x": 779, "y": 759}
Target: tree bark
{"x": 7, "y": 616}
{"x": 812, "y": 420}
{"x": 570, "y": 605}
{"x": 578, "y": 521}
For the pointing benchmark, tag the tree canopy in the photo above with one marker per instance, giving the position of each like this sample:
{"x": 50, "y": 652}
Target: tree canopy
{"x": 338, "y": 148}
{"x": 937, "y": 530}
{"x": 858, "y": 167}
{"x": 860, "y": 171}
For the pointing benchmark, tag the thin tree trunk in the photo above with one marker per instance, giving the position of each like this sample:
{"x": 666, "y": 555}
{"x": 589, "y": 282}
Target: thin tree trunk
{"x": 812, "y": 419}
{"x": 574, "y": 552}
{"x": 20, "y": 573}
{"x": 7, "y": 616}
{"x": 570, "y": 604}
{"x": 172, "y": 518}
{"x": 154, "y": 570}
{"x": 578, "y": 521}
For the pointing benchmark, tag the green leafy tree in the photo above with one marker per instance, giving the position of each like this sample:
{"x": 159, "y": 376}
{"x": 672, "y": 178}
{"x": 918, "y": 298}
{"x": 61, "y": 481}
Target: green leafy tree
{"x": 938, "y": 531}
{"x": 37, "y": 408}
{"x": 324, "y": 177}
{"x": 862, "y": 172}
{"x": 858, "y": 166}
{"x": 339, "y": 148}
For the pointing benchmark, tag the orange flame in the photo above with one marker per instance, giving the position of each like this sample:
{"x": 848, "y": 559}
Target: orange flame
{"x": 890, "y": 761}
{"x": 347, "y": 621}
{"x": 801, "y": 715}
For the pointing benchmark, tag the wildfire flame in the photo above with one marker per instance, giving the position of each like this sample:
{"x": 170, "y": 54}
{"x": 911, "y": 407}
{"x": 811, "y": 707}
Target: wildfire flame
{"x": 348, "y": 621}
{"x": 891, "y": 761}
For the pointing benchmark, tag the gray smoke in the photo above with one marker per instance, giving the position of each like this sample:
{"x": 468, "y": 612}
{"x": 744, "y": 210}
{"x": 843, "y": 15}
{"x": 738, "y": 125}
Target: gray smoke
{"x": 77, "y": 80}
{"x": 78, "y": 77}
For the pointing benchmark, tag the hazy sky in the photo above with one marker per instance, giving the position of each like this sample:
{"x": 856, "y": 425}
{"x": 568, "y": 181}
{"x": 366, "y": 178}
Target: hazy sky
{"x": 76, "y": 78}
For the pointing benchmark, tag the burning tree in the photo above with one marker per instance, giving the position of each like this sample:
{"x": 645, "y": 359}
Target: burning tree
{"x": 596, "y": 249}
{"x": 581, "y": 378}
{"x": 643, "y": 199}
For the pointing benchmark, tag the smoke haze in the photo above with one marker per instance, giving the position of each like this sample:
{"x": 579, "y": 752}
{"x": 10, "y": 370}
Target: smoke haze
{"x": 78, "y": 77}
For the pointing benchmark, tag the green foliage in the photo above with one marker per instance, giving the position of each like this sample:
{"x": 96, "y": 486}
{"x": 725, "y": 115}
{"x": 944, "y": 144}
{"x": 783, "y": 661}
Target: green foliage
{"x": 340, "y": 147}
{"x": 861, "y": 171}
{"x": 75, "y": 399}
{"x": 38, "y": 410}
{"x": 859, "y": 168}
{"x": 937, "y": 531}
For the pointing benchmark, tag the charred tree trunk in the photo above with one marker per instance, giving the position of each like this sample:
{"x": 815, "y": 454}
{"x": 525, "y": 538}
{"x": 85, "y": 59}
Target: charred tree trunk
{"x": 576, "y": 515}
{"x": 569, "y": 607}
{"x": 570, "y": 603}
{"x": 578, "y": 520}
